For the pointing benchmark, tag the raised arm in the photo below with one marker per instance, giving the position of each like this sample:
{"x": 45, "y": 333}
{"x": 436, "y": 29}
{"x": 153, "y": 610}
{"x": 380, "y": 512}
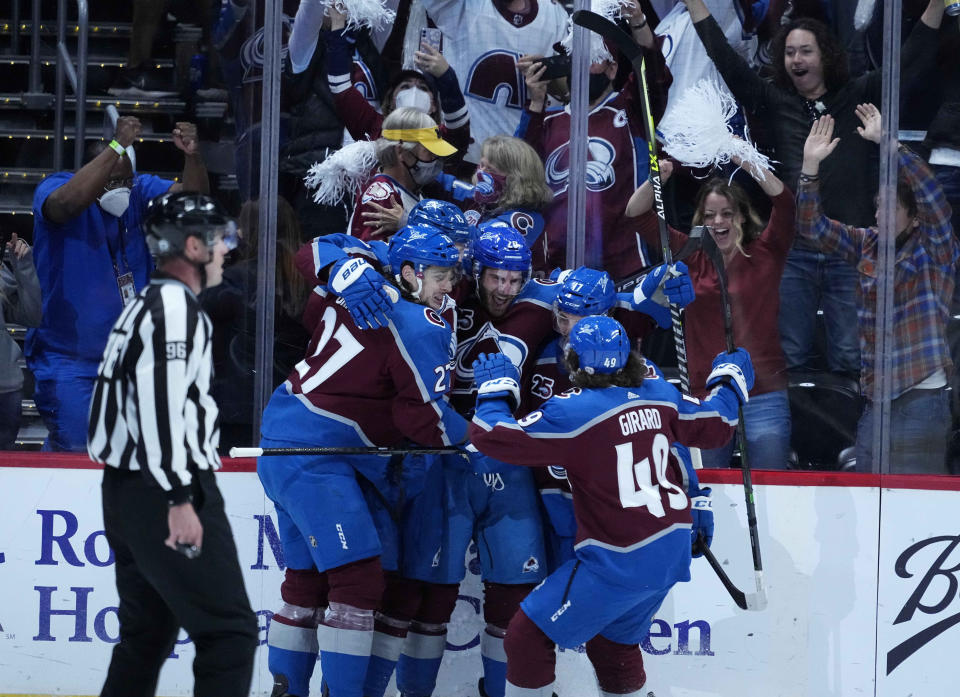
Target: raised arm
{"x": 746, "y": 85}
{"x": 86, "y": 185}
{"x": 194, "y": 176}
{"x": 830, "y": 235}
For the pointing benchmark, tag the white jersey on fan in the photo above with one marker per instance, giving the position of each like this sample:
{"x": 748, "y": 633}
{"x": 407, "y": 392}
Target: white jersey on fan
{"x": 685, "y": 54}
{"x": 482, "y": 46}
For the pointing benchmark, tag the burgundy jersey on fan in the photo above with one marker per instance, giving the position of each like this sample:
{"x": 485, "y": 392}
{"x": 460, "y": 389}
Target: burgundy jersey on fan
{"x": 382, "y": 190}
{"x": 617, "y": 165}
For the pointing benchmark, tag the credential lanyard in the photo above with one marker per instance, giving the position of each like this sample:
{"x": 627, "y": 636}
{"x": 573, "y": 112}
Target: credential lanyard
{"x": 125, "y": 284}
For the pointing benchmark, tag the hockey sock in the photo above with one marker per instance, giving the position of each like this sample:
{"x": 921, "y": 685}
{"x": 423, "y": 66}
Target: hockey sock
{"x": 292, "y": 647}
{"x": 345, "y": 639}
{"x": 401, "y": 600}
{"x": 619, "y": 667}
{"x": 388, "y": 638}
{"x": 426, "y": 641}
{"x": 292, "y": 637}
{"x": 421, "y": 659}
{"x": 346, "y": 633}
{"x": 500, "y": 604}
{"x": 531, "y": 659}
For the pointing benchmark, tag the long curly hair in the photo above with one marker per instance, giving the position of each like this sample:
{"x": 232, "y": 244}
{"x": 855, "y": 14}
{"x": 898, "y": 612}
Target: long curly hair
{"x": 752, "y": 225}
{"x": 834, "y": 59}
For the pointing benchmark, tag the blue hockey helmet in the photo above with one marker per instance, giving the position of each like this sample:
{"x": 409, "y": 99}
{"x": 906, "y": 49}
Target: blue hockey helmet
{"x": 421, "y": 246}
{"x": 601, "y": 344}
{"x": 585, "y": 291}
{"x": 496, "y": 245}
{"x": 444, "y": 216}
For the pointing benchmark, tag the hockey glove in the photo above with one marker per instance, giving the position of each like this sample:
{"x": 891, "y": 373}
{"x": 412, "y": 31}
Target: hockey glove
{"x": 497, "y": 378}
{"x": 678, "y": 287}
{"x": 734, "y": 370}
{"x": 701, "y": 510}
{"x": 361, "y": 288}
{"x": 649, "y": 298}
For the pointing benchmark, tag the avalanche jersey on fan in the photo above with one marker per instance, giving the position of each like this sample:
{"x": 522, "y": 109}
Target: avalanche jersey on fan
{"x": 687, "y": 58}
{"x": 382, "y": 190}
{"x": 483, "y": 46}
{"x": 629, "y": 488}
{"x": 615, "y": 169}
{"x": 527, "y": 323}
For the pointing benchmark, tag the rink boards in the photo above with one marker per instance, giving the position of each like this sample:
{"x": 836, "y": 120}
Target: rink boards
{"x": 861, "y": 575}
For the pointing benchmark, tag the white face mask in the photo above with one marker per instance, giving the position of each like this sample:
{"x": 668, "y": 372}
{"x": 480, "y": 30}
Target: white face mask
{"x": 425, "y": 172}
{"x": 116, "y": 201}
{"x": 414, "y": 97}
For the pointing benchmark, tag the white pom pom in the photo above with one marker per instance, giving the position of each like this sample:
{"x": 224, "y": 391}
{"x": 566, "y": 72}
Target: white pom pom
{"x": 344, "y": 172}
{"x": 698, "y": 134}
{"x": 864, "y": 13}
{"x": 611, "y": 9}
{"x": 365, "y": 13}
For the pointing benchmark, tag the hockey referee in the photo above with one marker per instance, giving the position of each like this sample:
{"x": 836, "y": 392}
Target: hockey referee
{"x": 153, "y": 424}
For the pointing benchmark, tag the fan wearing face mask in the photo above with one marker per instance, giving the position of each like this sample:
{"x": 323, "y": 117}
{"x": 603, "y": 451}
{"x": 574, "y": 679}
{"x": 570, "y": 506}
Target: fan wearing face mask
{"x": 92, "y": 259}
{"x": 617, "y": 153}
{"x": 431, "y": 88}
{"x": 411, "y": 154}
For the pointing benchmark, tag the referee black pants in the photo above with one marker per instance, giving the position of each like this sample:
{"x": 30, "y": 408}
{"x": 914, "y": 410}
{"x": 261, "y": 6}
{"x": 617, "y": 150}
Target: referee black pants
{"x": 161, "y": 590}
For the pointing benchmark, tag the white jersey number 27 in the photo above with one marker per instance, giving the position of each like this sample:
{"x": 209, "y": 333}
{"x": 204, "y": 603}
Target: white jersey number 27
{"x": 644, "y": 483}
{"x": 349, "y": 348}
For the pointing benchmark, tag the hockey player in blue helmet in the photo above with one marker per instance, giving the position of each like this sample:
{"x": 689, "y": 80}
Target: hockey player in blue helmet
{"x": 425, "y": 263}
{"x": 633, "y": 542}
{"x": 498, "y": 260}
{"x": 444, "y": 216}
{"x": 385, "y": 387}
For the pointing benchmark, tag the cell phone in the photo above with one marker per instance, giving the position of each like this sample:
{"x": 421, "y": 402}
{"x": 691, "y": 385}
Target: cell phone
{"x": 557, "y": 66}
{"x": 432, "y": 37}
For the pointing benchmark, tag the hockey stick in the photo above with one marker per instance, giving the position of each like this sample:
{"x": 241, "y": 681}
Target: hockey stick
{"x": 710, "y": 248}
{"x": 634, "y": 53}
{"x": 754, "y": 601}
{"x": 690, "y": 246}
{"x": 258, "y": 452}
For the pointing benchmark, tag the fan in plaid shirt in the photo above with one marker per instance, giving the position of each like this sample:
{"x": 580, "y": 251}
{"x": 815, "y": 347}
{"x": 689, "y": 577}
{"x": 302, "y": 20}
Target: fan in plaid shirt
{"x": 926, "y": 259}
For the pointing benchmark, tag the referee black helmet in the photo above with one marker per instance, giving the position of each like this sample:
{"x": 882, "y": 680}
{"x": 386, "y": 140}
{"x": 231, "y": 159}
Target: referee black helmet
{"x": 173, "y": 217}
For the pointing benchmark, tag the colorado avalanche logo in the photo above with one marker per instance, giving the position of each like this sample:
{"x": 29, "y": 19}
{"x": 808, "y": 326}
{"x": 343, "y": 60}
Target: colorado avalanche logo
{"x": 522, "y": 222}
{"x": 251, "y": 53}
{"x": 362, "y": 79}
{"x": 512, "y": 347}
{"x": 494, "y": 78}
{"x": 378, "y": 191}
{"x": 600, "y": 173}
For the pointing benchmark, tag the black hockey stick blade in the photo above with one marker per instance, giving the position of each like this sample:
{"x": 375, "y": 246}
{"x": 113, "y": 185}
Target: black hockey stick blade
{"x": 610, "y": 31}
{"x": 753, "y": 602}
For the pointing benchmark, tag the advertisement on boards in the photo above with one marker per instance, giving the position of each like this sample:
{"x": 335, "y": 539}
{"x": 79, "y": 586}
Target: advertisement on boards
{"x": 818, "y": 637}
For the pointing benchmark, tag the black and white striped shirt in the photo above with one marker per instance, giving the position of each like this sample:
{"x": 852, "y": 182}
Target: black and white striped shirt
{"x": 151, "y": 409}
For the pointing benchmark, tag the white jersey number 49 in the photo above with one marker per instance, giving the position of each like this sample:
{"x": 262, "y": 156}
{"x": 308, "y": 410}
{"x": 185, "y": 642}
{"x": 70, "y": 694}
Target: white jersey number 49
{"x": 643, "y": 484}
